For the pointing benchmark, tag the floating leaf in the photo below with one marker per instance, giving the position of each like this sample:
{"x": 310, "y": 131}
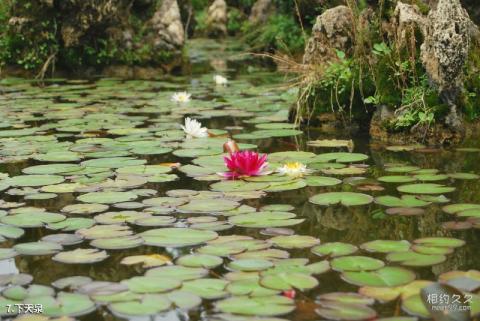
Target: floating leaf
{"x": 81, "y": 256}
{"x": 257, "y": 306}
{"x": 151, "y": 284}
{"x": 287, "y": 281}
{"x": 410, "y": 258}
{"x": 344, "y": 198}
{"x": 107, "y": 197}
{"x": 356, "y": 263}
{"x": 200, "y": 260}
{"x": 425, "y": 189}
{"x": 265, "y": 219}
{"x": 334, "y": 249}
{"x": 294, "y": 241}
{"x": 177, "y": 237}
{"x": 384, "y": 277}
{"x": 386, "y": 246}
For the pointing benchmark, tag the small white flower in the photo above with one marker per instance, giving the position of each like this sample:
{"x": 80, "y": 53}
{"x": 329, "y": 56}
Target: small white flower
{"x": 293, "y": 169}
{"x": 193, "y": 128}
{"x": 220, "y": 80}
{"x": 181, "y": 97}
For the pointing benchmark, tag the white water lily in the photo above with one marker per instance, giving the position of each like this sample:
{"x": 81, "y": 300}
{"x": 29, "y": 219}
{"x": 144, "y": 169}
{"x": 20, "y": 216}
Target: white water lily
{"x": 193, "y": 128}
{"x": 220, "y": 80}
{"x": 181, "y": 97}
{"x": 293, "y": 169}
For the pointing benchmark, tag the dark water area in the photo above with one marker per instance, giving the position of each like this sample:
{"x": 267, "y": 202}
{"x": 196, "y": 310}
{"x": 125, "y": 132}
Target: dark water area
{"x": 354, "y": 225}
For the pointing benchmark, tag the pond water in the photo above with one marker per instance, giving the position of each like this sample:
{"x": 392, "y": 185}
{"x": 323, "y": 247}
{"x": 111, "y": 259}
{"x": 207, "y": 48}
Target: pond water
{"x": 110, "y": 212}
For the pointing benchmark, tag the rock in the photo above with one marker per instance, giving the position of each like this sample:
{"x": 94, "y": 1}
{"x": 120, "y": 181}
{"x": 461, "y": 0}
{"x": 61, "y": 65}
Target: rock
{"x": 445, "y": 51}
{"x": 261, "y": 11}
{"x": 217, "y": 19}
{"x": 332, "y": 31}
{"x": 80, "y": 16}
{"x": 406, "y": 19}
{"x": 167, "y": 26}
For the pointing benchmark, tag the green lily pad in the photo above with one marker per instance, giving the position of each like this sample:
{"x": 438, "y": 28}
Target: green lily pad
{"x": 265, "y": 219}
{"x": 322, "y": 181}
{"x": 406, "y": 201}
{"x": 334, "y": 249}
{"x": 148, "y": 305}
{"x": 38, "y": 248}
{"x": 105, "y": 231}
{"x": 151, "y": 284}
{"x": 88, "y": 208}
{"x": 340, "y": 157}
{"x": 177, "y": 237}
{"x": 440, "y": 242}
{"x": 356, "y": 263}
{"x": 65, "y": 304}
{"x": 113, "y": 162}
{"x": 6, "y": 253}
{"x": 206, "y": 288}
{"x": 34, "y": 180}
{"x": 397, "y": 179}
{"x": 208, "y": 205}
{"x": 386, "y": 246}
{"x": 294, "y": 241}
{"x": 257, "y": 306}
{"x": 250, "y": 265}
{"x": 425, "y": 189}
{"x": 117, "y": 243}
{"x": 411, "y": 258}
{"x": 80, "y": 256}
{"x": 344, "y": 311}
{"x": 177, "y": 272}
{"x": 287, "y": 281}
{"x": 384, "y": 277}
{"x": 344, "y": 198}
{"x": 457, "y": 208}
{"x": 11, "y": 232}
{"x": 250, "y": 287}
{"x": 200, "y": 260}
{"x": 107, "y": 197}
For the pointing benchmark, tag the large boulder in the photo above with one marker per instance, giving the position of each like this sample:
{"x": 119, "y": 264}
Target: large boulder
{"x": 167, "y": 27}
{"x": 261, "y": 11}
{"x": 445, "y": 51}
{"x": 332, "y": 31}
{"x": 406, "y": 20}
{"x": 217, "y": 19}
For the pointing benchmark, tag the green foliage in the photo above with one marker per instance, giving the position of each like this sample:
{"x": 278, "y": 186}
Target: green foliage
{"x": 471, "y": 94}
{"x": 201, "y": 26}
{"x": 24, "y": 43}
{"x": 235, "y": 20}
{"x": 281, "y": 32}
{"x": 199, "y": 5}
{"x": 418, "y": 107}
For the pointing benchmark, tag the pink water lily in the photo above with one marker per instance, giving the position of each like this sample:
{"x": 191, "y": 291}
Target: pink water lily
{"x": 245, "y": 163}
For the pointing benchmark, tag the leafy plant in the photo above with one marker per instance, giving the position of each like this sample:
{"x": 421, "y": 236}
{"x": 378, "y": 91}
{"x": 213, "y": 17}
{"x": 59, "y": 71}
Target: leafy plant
{"x": 281, "y": 32}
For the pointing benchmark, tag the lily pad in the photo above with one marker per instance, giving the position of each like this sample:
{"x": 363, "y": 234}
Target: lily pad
{"x": 386, "y": 246}
{"x": 200, "y": 260}
{"x": 151, "y": 284}
{"x": 257, "y": 306}
{"x": 425, "y": 189}
{"x": 265, "y": 219}
{"x": 177, "y": 237}
{"x": 384, "y": 277}
{"x": 356, "y": 263}
{"x": 334, "y": 249}
{"x": 287, "y": 281}
{"x": 80, "y": 256}
{"x": 294, "y": 241}
{"x": 343, "y": 198}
